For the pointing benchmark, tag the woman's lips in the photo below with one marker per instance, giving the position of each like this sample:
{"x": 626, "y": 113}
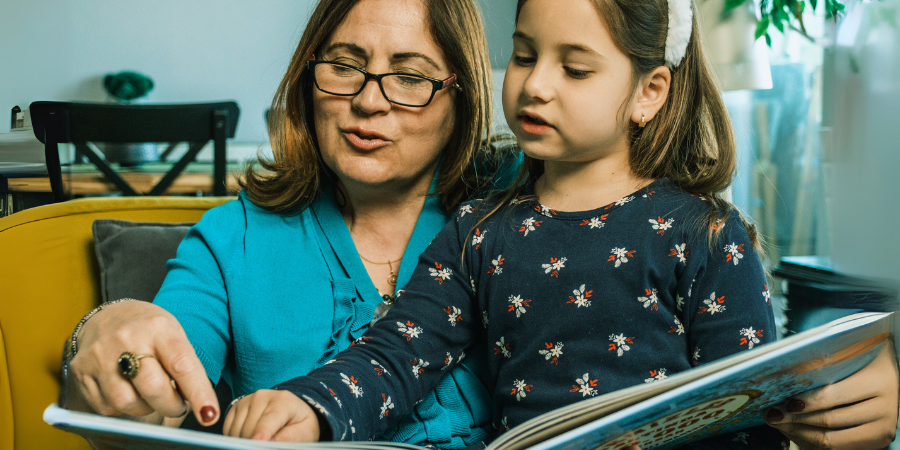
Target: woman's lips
{"x": 534, "y": 124}
{"x": 365, "y": 139}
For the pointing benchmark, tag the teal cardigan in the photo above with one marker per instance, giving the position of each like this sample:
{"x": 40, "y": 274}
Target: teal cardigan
{"x": 266, "y": 297}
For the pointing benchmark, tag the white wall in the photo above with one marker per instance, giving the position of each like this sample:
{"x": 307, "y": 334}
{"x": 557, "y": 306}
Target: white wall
{"x": 194, "y": 50}
{"x": 861, "y": 106}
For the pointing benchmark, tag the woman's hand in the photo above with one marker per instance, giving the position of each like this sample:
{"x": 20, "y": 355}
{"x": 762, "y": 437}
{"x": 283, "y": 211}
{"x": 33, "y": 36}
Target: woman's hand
{"x": 96, "y": 384}
{"x": 857, "y": 413}
{"x": 269, "y": 415}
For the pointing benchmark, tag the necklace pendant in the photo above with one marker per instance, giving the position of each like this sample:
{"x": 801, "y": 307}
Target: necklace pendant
{"x": 392, "y": 280}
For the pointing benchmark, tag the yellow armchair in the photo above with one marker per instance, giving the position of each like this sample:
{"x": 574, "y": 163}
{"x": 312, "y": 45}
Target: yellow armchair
{"x": 48, "y": 280}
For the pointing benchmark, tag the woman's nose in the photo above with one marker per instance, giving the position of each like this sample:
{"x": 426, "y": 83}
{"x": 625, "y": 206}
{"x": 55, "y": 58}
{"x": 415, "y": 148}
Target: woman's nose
{"x": 371, "y": 100}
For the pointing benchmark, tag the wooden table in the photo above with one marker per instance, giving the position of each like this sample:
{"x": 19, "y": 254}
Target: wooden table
{"x": 20, "y": 193}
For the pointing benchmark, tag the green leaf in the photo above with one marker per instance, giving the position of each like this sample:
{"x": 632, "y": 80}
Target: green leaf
{"x": 731, "y": 4}
{"x": 814, "y": 3}
{"x": 768, "y": 40}
{"x": 761, "y": 27}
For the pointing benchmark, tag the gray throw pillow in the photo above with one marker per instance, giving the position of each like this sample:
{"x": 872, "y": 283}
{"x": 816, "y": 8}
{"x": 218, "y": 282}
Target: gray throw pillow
{"x": 132, "y": 256}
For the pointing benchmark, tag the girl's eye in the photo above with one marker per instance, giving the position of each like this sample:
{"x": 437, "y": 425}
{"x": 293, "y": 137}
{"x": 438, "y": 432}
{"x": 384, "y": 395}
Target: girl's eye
{"x": 523, "y": 60}
{"x": 575, "y": 73}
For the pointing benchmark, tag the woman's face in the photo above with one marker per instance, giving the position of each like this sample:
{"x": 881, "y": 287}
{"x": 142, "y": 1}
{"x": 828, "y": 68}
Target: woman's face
{"x": 368, "y": 141}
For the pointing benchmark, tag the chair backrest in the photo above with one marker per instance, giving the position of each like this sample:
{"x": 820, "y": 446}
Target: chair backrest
{"x": 102, "y": 122}
{"x": 79, "y": 123}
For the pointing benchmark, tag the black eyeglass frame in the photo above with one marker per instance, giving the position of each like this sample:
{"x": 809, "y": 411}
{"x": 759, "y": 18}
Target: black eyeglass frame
{"x": 436, "y": 84}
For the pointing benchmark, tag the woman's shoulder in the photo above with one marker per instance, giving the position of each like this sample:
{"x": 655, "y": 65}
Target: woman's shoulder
{"x": 235, "y": 218}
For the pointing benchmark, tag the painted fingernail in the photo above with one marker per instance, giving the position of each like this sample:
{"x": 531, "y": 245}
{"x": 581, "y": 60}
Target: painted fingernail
{"x": 774, "y": 415}
{"x": 793, "y": 405}
{"x": 208, "y": 413}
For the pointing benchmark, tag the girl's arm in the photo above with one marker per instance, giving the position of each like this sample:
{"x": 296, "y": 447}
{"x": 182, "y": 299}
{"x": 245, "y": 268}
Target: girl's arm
{"x": 379, "y": 379}
{"x": 727, "y": 311}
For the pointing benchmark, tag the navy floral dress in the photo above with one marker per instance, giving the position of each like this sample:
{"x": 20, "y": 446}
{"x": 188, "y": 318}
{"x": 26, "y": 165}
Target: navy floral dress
{"x": 568, "y": 305}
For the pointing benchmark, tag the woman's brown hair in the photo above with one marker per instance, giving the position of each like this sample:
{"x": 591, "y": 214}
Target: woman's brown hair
{"x": 690, "y": 141}
{"x": 296, "y": 174}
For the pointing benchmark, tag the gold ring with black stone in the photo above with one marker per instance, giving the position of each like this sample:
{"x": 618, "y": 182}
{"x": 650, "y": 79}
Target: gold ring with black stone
{"x": 129, "y": 364}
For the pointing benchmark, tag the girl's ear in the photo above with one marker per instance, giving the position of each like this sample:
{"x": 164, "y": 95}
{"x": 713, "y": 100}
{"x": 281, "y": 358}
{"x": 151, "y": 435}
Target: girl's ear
{"x": 652, "y": 94}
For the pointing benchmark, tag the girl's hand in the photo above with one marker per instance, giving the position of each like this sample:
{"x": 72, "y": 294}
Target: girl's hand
{"x": 268, "y": 415}
{"x": 95, "y": 384}
{"x": 857, "y": 413}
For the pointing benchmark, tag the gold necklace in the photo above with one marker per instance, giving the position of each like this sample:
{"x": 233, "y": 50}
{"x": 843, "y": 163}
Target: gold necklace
{"x": 392, "y": 280}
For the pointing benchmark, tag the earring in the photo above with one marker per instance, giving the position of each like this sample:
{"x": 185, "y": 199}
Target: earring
{"x": 643, "y": 122}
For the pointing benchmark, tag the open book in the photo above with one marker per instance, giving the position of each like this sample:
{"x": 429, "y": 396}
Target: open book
{"x": 721, "y": 397}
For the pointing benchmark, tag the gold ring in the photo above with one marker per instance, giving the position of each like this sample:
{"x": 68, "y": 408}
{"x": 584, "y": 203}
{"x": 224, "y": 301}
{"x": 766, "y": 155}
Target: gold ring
{"x": 129, "y": 364}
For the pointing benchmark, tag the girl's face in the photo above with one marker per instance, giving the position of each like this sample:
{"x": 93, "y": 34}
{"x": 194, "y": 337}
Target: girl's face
{"x": 365, "y": 139}
{"x": 566, "y": 86}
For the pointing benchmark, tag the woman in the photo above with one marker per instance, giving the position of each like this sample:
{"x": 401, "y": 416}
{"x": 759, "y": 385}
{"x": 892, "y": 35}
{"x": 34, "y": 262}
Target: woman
{"x": 275, "y": 283}
{"x": 279, "y": 281}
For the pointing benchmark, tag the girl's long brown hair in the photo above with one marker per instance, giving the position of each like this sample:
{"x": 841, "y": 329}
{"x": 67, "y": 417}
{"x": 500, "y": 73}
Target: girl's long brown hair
{"x": 690, "y": 141}
{"x": 296, "y": 174}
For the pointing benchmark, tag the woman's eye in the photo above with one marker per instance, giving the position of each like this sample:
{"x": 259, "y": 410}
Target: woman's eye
{"x": 523, "y": 60}
{"x": 575, "y": 73}
{"x": 410, "y": 81}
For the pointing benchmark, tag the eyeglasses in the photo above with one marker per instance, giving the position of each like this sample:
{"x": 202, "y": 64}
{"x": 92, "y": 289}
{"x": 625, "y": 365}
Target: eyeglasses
{"x": 403, "y": 89}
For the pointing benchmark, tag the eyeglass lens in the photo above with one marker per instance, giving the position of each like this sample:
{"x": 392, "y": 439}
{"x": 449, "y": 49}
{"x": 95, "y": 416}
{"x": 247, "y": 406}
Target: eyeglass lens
{"x": 341, "y": 80}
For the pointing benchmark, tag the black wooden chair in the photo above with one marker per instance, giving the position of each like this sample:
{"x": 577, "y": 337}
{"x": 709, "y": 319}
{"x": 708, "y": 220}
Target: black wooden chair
{"x": 79, "y": 123}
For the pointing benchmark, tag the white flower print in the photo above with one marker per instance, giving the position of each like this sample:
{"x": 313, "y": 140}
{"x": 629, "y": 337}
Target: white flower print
{"x": 465, "y": 209}
{"x": 649, "y": 194}
{"x": 520, "y": 388}
{"x": 656, "y": 375}
{"x": 556, "y": 264}
{"x": 741, "y": 437}
{"x": 333, "y": 395}
{"x": 462, "y": 355}
{"x": 595, "y": 222}
{"x": 503, "y": 348}
{"x": 679, "y": 302}
{"x": 317, "y": 406}
{"x": 386, "y": 407}
{"x": 361, "y": 340}
{"x": 505, "y": 423}
{"x": 678, "y": 328}
{"x": 695, "y": 355}
{"x": 472, "y": 283}
{"x": 454, "y": 314}
{"x": 494, "y": 268}
{"x": 734, "y": 252}
{"x": 478, "y": 237}
{"x": 585, "y": 386}
{"x": 530, "y": 224}
{"x": 518, "y": 304}
{"x": 351, "y": 383}
{"x": 713, "y": 305}
{"x": 692, "y": 286}
{"x": 661, "y": 225}
{"x": 651, "y": 300}
{"x": 418, "y": 366}
{"x": 581, "y": 297}
{"x": 623, "y": 201}
{"x": 680, "y": 252}
{"x": 750, "y": 337}
{"x": 440, "y": 273}
{"x": 620, "y": 255}
{"x": 767, "y": 296}
{"x": 409, "y": 330}
{"x": 620, "y": 343}
{"x": 484, "y": 319}
{"x": 380, "y": 370}
{"x": 447, "y": 361}
{"x": 552, "y": 352}
{"x": 517, "y": 200}
{"x": 545, "y": 211}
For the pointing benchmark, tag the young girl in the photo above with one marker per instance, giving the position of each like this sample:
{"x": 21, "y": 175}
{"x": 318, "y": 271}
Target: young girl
{"x": 612, "y": 262}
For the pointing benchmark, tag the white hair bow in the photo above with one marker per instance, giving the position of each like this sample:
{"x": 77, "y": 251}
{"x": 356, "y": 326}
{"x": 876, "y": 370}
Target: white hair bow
{"x": 679, "y": 34}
